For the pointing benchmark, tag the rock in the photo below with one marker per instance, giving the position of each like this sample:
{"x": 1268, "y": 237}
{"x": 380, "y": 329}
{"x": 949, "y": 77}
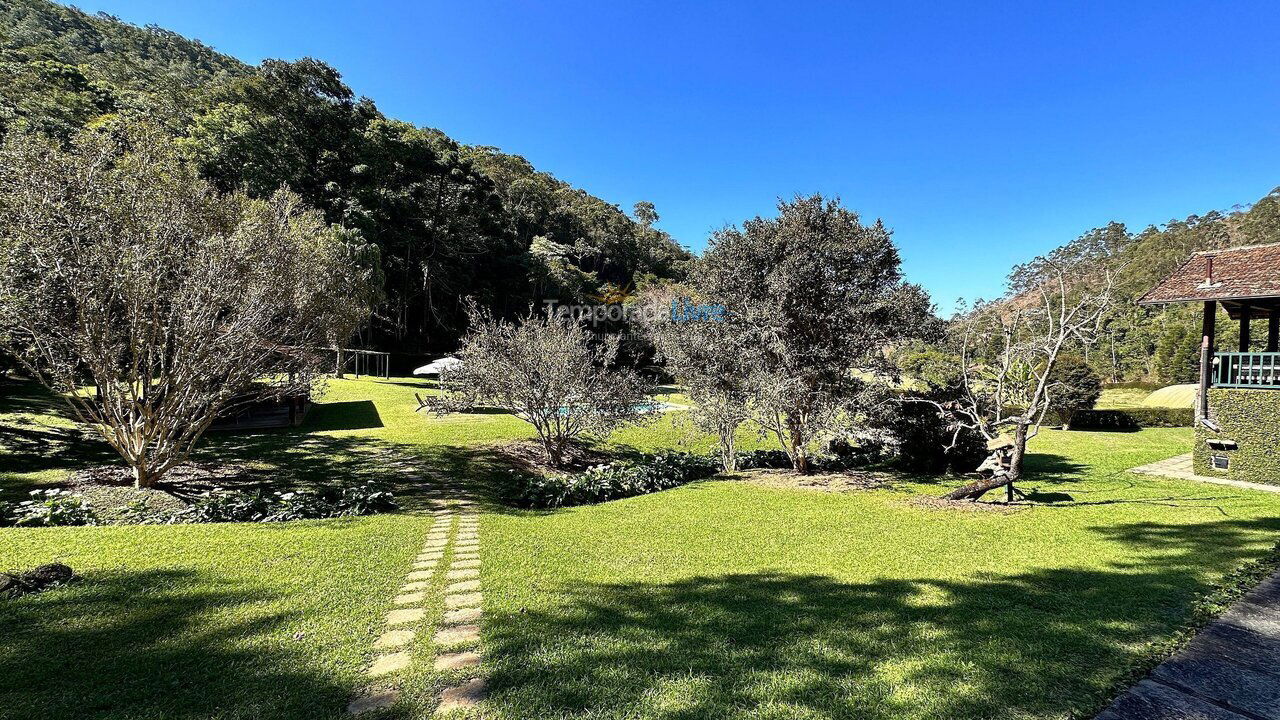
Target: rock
{"x": 34, "y": 581}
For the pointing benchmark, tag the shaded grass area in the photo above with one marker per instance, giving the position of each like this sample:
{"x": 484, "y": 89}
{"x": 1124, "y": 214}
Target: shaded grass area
{"x": 727, "y": 600}
{"x": 365, "y": 429}
{"x": 199, "y": 621}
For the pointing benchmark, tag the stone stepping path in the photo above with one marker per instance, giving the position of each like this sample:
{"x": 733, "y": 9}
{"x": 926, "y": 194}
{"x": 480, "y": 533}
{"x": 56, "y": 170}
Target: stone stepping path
{"x": 457, "y": 638}
{"x": 1180, "y": 467}
{"x": 1230, "y": 671}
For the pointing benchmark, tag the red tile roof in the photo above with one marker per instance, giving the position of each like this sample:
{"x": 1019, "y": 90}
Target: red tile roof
{"x": 1235, "y": 274}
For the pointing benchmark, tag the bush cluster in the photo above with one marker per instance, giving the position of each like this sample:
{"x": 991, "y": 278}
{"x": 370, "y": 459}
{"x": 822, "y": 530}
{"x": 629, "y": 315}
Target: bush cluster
{"x": 256, "y": 506}
{"x": 847, "y": 457}
{"x": 1132, "y": 418}
{"x": 609, "y": 481}
{"x": 47, "y": 508}
{"x": 63, "y": 507}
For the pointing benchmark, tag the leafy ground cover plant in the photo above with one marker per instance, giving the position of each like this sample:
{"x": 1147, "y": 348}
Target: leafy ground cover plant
{"x": 609, "y": 481}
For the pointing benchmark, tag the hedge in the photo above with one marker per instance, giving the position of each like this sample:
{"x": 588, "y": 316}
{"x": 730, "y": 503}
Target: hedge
{"x": 1133, "y": 418}
{"x": 1121, "y": 419}
{"x": 1252, "y": 419}
{"x": 1134, "y": 385}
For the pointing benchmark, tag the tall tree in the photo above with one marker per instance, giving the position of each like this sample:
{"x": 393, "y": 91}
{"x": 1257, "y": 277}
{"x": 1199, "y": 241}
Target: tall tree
{"x": 820, "y": 297}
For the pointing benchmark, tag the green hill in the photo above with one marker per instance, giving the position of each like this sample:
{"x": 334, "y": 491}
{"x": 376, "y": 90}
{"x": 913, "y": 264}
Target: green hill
{"x": 452, "y": 221}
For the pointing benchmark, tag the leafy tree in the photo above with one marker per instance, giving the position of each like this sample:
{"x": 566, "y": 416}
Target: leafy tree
{"x": 1074, "y": 386}
{"x": 549, "y": 371}
{"x": 122, "y": 269}
{"x": 818, "y": 297}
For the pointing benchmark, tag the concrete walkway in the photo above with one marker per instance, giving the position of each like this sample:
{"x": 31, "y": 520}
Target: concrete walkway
{"x": 1230, "y": 671}
{"x": 1180, "y": 467}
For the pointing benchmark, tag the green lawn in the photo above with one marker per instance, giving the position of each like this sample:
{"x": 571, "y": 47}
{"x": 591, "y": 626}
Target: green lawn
{"x": 1119, "y": 398}
{"x": 718, "y": 600}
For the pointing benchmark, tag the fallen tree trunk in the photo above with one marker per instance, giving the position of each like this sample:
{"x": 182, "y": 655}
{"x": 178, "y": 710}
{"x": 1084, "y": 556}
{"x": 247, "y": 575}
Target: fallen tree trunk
{"x": 978, "y": 488}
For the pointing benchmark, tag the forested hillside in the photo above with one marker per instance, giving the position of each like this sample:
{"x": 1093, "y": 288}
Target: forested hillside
{"x": 1162, "y": 345}
{"x": 451, "y": 221}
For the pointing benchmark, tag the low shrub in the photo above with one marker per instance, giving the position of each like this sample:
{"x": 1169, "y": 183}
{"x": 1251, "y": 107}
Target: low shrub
{"x": 773, "y": 459}
{"x": 610, "y": 481}
{"x": 1133, "y": 418}
{"x": 840, "y": 455}
{"x": 1121, "y": 418}
{"x": 1133, "y": 385}
{"x": 49, "y": 508}
{"x": 256, "y": 506}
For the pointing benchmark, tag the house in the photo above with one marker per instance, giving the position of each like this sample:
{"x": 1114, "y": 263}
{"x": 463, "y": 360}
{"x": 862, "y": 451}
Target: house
{"x": 1238, "y": 402}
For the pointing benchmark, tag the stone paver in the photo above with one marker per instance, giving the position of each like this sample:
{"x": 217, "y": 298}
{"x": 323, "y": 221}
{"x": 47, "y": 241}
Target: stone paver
{"x": 1180, "y": 467}
{"x": 462, "y": 615}
{"x": 457, "y": 661}
{"x": 405, "y": 616}
{"x": 465, "y": 564}
{"x": 457, "y": 634}
{"x": 463, "y": 574}
{"x": 373, "y": 701}
{"x": 433, "y": 556}
{"x": 389, "y": 663}
{"x": 412, "y": 598}
{"x": 414, "y": 585}
{"x": 464, "y": 586}
{"x": 1227, "y": 672}
{"x": 462, "y": 696}
{"x": 462, "y": 601}
{"x": 393, "y": 639}
{"x": 419, "y": 575}
{"x": 466, "y": 555}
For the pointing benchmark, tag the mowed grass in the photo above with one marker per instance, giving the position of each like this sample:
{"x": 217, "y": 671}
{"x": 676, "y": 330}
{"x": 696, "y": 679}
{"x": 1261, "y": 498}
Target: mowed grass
{"x": 718, "y": 600}
{"x": 200, "y": 621}
{"x": 728, "y": 600}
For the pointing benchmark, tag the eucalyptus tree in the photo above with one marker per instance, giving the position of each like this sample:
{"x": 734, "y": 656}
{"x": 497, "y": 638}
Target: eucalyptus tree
{"x": 818, "y": 297}
{"x": 151, "y": 301}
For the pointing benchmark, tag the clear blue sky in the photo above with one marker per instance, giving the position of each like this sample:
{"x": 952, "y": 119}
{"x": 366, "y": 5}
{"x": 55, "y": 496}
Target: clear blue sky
{"x": 982, "y": 135}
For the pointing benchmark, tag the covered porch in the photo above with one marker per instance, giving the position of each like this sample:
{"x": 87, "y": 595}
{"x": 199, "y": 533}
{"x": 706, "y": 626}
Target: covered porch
{"x": 1245, "y": 283}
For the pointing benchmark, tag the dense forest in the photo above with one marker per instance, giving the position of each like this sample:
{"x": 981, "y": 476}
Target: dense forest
{"x": 451, "y": 221}
{"x": 454, "y": 221}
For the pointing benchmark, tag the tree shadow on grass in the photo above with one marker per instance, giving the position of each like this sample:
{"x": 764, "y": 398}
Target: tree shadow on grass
{"x": 1041, "y": 643}
{"x": 349, "y": 415}
{"x": 155, "y": 644}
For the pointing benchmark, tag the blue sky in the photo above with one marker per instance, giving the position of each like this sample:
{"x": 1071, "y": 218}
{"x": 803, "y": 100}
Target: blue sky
{"x": 981, "y": 134}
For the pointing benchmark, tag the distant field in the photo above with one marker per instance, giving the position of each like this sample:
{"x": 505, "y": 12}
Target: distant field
{"x": 1172, "y": 396}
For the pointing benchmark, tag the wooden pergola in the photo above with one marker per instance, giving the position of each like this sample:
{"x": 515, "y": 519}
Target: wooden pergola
{"x": 1245, "y": 281}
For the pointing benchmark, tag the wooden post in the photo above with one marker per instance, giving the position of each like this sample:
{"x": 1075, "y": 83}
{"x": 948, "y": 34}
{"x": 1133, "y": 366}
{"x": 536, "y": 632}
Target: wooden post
{"x": 1206, "y": 357}
{"x": 338, "y": 369}
{"x": 1245, "y": 313}
{"x": 1273, "y": 330}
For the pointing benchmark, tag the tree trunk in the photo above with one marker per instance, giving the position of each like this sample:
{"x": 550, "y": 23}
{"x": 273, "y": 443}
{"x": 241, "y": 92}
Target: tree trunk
{"x": 728, "y": 450}
{"x": 799, "y": 453}
{"x": 143, "y": 477}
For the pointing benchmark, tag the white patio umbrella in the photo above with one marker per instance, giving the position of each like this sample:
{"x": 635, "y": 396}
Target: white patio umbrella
{"x": 435, "y": 367}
